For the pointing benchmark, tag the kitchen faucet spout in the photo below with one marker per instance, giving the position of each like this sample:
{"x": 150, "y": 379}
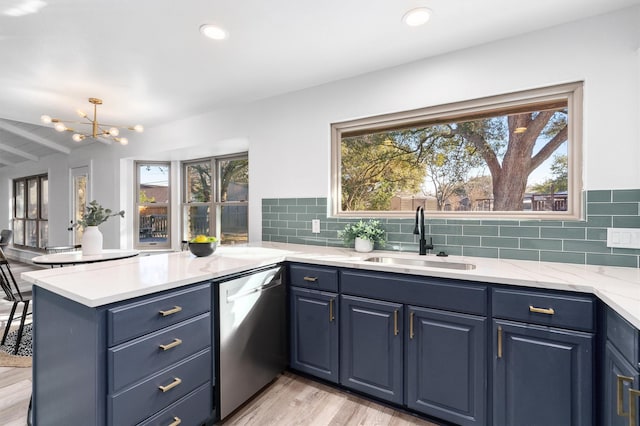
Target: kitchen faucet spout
{"x": 420, "y": 230}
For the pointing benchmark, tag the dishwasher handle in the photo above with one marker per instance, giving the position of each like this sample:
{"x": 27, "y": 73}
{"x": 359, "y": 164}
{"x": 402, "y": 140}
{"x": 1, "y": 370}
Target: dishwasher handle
{"x": 264, "y": 287}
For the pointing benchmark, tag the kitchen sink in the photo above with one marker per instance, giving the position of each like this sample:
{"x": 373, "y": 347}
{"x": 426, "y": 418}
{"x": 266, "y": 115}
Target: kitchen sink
{"x": 421, "y": 262}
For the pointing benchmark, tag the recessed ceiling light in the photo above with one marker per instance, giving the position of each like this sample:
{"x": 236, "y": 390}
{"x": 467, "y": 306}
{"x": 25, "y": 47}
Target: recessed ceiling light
{"x": 416, "y": 17}
{"x": 213, "y": 32}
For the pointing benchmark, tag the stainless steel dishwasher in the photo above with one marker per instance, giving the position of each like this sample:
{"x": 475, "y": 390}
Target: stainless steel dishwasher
{"x": 252, "y": 335}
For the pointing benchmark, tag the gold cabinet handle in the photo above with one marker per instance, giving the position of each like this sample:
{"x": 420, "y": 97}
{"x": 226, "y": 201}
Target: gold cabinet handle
{"x": 176, "y": 382}
{"x": 176, "y": 342}
{"x": 499, "y": 342}
{"x": 411, "y": 314}
{"x": 620, "y": 391}
{"x": 633, "y": 412}
{"x": 176, "y": 421}
{"x": 311, "y": 279}
{"x": 548, "y": 311}
{"x": 395, "y": 323}
{"x": 331, "y": 317}
{"x": 171, "y": 311}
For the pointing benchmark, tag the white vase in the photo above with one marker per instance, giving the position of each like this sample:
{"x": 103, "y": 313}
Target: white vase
{"x": 363, "y": 246}
{"x": 91, "y": 241}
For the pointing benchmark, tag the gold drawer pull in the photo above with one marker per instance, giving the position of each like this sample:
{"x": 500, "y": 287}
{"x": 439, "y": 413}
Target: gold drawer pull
{"x": 311, "y": 279}
{"x": 411, "y": 334}
{"x": 171, "y": 385}
{"x": 331, "y": 317}
{"x": 633, "y": 395}
{"x": 176, "y": 342}
{"x": 172, "y": 311}
{"x": 548, "y": 311}
{"x": 499, "y": 341}
{"x": 395, "y": 323}
{"x": 176, "y": 421}
{"x": 620, "y": 391}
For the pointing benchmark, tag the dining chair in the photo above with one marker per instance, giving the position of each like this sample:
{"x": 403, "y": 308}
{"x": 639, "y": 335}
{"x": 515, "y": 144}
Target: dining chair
{"x": 13, "y": 294}
{"x": 5, "y": 237}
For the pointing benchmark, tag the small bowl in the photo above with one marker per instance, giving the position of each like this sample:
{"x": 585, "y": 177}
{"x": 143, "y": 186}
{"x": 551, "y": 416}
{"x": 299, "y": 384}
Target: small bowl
{"x": 203, "y": 249}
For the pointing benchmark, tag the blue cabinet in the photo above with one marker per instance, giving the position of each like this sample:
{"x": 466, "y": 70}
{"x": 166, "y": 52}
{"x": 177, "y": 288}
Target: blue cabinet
{"x": 542, "y": 374}
{"x": 371, "y": 347}
{"x": 446, "y": 365}
{"x": 147, "y": 360}
{"x": 621, "y": 372}
{"x": 314, "y": 333}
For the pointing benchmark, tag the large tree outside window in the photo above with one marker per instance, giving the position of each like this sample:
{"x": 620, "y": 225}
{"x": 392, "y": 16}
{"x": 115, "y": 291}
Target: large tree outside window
{"x": 510, "y": 155}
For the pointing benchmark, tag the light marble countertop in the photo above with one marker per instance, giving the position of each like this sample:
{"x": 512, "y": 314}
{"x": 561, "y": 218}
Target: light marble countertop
{"x": 103, "y": 283}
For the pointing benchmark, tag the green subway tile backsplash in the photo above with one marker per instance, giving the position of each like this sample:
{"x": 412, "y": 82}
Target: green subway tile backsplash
{"x": 582, "y": 242}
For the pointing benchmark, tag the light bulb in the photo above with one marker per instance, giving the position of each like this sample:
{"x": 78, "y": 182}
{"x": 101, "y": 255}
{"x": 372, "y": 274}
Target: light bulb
{"x": 60, "y": 127}
{"x": 213, "y": 32}
{"x": 45, "y": 119}
{"x": 77, "y": 137}
{"x": 416, "y": 17}
{"x": 114, "y": 131}
{"x": 138, "y": 128}
{"x": 81, "y": 113}
{"x": 123, "y": 141}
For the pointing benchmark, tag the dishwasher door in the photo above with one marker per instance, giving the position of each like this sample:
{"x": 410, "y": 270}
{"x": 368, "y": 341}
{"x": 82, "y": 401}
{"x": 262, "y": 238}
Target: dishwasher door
{"x": 252, "y": 335}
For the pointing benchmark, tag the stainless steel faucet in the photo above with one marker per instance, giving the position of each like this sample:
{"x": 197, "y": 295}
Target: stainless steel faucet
{"x": 420, "y": 230}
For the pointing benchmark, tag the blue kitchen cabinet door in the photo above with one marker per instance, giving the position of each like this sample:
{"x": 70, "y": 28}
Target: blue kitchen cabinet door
{"x": 542, "y": 375}
{"x": 619, "y": 377}
{"x": 446, "y": 365}
{"x": 371, "y": 347}
{"x": 314, "y": 333}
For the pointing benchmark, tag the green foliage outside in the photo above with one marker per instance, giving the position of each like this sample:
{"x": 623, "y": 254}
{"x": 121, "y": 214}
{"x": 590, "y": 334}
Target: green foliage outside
{"x": 482, "y": 159}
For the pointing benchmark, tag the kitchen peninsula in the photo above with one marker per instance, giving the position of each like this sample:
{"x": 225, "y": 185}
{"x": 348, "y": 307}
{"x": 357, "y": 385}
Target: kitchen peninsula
{"x": 101, "y": 295}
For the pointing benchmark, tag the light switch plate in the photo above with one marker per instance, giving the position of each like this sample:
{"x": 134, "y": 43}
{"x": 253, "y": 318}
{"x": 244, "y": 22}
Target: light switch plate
{"x": 623, "y": 237}
{"x": 315, "y": 226}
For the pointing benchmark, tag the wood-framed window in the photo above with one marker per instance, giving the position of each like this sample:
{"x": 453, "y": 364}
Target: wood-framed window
{"x": 517, "y": 155}
{"x": 153, "y": 202}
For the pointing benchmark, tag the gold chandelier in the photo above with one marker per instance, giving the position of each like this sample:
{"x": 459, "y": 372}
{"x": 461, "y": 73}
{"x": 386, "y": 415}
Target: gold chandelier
{"x": 104, "y": 133}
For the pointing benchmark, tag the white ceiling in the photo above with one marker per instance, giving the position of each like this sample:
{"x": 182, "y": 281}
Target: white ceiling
{"x": 147, "y": 60}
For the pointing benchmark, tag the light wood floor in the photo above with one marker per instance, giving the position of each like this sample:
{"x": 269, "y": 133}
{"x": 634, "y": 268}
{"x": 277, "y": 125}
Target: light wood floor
{"x": 294, "y": 400}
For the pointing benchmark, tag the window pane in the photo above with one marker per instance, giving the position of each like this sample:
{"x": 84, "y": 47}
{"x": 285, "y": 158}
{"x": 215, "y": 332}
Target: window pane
{"x": 44, "y": 198}
{"x": 32, "y": 199}
{"x": 198, "y": 182}
{"x": 196, "y": 221}
{"x": 20, "y": 199}
{"x": 79, "y": 202}
{"x": 44, "y": 234}
{"x": 18, "y": 232}
{"x": 154, "y": 183}
{"x": 153, "y": 224}
{"x": 31, "y": 234}
{"x": 233, "y": 223}
{"x": 234, "y": 180}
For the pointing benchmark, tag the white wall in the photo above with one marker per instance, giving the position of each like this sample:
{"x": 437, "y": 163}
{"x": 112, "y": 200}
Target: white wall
{"x": 288, "y": 136}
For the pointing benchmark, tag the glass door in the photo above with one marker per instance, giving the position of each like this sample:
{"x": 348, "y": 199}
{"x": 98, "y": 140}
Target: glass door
{"x": 79, "y": 199}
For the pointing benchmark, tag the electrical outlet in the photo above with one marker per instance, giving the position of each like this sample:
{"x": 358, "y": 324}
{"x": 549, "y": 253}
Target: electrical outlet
{"x": 315, "y": 226}
{"x": 623, "y": 237}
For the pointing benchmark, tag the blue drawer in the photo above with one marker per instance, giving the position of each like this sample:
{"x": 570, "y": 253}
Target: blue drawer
{"x": 133, "y": 360}
{"x": 138, "y": 318}
{"x": 545, "y": 308}
{"x": 193, "y": 409}
{"x": 138, "y": 402}
{"x": 313, "y": 277}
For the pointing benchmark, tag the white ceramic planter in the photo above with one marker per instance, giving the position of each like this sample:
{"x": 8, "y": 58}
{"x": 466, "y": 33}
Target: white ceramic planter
{"x": 364, "y": 246}
{"x": 91, "y": 241}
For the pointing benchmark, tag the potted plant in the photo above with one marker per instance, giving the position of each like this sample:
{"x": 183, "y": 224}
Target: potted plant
{"x": 93, "y": 216}
{"x": 364, "y": 234}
